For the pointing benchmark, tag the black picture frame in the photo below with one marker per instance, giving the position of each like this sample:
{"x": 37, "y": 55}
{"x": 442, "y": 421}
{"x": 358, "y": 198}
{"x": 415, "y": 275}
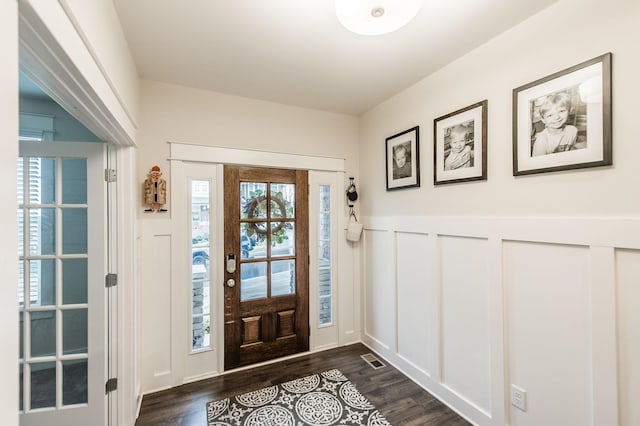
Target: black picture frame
{"x": 563, "y": 121}
{"x": 460, "y": 145}
{"x": 403, "y": 159}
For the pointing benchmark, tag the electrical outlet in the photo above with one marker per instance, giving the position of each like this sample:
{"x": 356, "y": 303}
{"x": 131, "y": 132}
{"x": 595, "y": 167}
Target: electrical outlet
{"x": 518, "y": 398}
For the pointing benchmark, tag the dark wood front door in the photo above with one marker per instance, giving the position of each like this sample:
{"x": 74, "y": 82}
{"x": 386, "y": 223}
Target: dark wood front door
{"x": 266, "y": 303}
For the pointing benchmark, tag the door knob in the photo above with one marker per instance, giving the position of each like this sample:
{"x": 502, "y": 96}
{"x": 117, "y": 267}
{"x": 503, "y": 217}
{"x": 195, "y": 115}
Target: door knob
{"x": 231, "y": 283}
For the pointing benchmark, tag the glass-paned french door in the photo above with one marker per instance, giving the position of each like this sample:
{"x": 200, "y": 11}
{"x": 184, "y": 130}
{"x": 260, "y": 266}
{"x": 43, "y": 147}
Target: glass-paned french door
{"x": 61, "y": 205}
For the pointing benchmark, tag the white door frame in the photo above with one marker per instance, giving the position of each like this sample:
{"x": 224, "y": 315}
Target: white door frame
{"x": 45, "y": 36}
{"x": 184, "y": 155}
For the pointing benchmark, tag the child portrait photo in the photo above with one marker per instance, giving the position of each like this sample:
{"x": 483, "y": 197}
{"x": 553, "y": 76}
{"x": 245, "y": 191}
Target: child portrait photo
{"x": 563, "y": 121}
{"x": 460, "y": 145}
{"x": 403, "y": 160}
{"x": 558, "y": 122}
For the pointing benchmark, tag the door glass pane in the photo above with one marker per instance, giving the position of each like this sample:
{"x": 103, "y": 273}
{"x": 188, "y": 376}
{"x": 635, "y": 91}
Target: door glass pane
{"x": 200, "y": 213}
{"x": 42, "y": 231}
{"x": 42, "y": 282}
{"x": 74, "y": 181}
{"x": 42, "y": 183}
{"x": 43, "y": 333}
{"x": 74, "y": 381}
{"x": 21, "y": 332}
{"x": 200, "y": 265}
{"x": 253, "y": 280}
{"x": 74, "y": 281}
{"x": 21, "y": 283}
{"x": 283, "y": 196}
{"x": 20, "y": 232}
{"x": 324, "y": 193}
{"x": 324, "y": 254}
{"x": 325, "y": 299}
{"x": 201, "y": 315}
{"x": 325, "y": 310}
{"x": 74, "y": 231}
{"x": 325, "y": 226}
{"x": 21, "y": 385}
{"x": 20, "y": 170}
{"x": 74, "y": 331}
{"x": 325, "y": 289}
{"x": 253, "y": 204}
{"x": 253, "y": 241}
{"x": 283, "y": 239}
{"x": 43, "y": 384}
{"x": 283, "y": 277}
{"x": 42, "y": 180}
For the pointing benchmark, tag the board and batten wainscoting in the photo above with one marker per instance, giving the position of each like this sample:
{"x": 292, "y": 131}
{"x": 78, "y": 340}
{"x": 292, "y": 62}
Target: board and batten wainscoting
{"x": 470, "y": 306}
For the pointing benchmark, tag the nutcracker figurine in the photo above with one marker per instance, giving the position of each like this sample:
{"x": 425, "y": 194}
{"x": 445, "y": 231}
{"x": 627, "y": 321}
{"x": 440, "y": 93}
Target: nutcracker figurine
{"x": 155, "y": 191}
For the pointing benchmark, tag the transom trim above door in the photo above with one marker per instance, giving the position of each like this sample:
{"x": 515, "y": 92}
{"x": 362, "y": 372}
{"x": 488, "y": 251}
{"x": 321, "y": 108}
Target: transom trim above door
{"x": 220, "y": 155}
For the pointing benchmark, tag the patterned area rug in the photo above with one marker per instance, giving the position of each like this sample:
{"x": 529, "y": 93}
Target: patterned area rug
{"x": 323, "y": 399}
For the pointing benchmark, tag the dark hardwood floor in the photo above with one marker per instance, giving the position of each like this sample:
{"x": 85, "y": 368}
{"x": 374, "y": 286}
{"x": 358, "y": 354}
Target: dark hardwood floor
{"x": 399, "y": 399}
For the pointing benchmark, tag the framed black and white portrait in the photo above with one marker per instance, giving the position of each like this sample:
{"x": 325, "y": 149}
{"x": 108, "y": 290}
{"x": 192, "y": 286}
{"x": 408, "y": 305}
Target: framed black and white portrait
{"x": 460, "y": 145}
{"x": 563, "y": 121}
{"x": 403, "y": 160}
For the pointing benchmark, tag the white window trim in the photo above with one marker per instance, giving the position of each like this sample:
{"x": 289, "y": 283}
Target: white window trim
{"x": 36, "y": 127}
{"x": 254, "y": 158}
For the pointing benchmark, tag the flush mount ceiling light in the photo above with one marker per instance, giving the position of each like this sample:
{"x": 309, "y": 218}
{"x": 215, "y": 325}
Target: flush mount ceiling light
{"x": 375, "y": 17}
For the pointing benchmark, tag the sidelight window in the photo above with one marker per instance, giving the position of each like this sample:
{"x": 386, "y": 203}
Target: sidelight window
{"x": 325, "y": 266}
{"x": 200, "y": 265}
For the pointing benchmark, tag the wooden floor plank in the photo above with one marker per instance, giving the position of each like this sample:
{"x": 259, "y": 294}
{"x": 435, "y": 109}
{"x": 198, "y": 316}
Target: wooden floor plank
{"x": 399, "y": 399}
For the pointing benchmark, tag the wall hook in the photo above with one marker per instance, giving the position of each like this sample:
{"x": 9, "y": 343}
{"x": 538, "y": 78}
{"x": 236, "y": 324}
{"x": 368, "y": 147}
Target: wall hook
{"x": 352, "y": 194}
{"x": 352, "y": 213}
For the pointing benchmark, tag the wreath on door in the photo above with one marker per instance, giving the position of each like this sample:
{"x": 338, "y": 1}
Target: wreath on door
{"x": 256, "y": 208}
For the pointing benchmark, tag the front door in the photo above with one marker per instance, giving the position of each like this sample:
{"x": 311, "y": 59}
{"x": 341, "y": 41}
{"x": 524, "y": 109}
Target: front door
{"x": 61, "y": 295}
{"x": 266, "y": 301}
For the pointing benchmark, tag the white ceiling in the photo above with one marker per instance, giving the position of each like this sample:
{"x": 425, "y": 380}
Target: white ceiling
{"x": 295, "y": 51}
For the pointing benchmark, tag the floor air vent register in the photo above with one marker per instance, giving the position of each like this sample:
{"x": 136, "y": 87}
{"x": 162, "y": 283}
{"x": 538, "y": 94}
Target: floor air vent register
{"x": 371, "y": 359}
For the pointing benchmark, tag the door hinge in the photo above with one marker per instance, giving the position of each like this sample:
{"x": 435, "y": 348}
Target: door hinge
{"x": 110, "y": 175}
{"x": 111, "y": 385}
{"x": 111, "y": 280}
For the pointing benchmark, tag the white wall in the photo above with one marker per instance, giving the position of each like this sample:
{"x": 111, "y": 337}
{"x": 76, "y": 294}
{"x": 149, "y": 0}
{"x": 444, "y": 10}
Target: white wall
{"x": 512, "y": 280}
{"x": 8, "y": 197}
{"x": 171, "y": 113}
{"x": 98, "y": 24}
{"x": 478, "y": 304}
{"x": 190, "y": 116}
{"x": 565, "y": 34}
